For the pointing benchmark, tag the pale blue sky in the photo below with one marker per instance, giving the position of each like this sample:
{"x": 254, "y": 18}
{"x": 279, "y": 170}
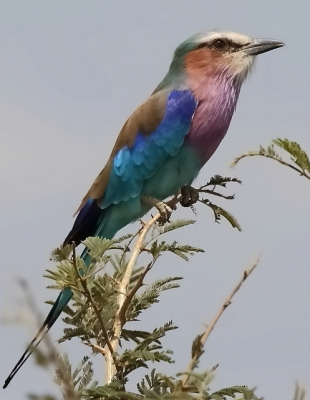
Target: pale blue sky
{"x": 70, "y": 74}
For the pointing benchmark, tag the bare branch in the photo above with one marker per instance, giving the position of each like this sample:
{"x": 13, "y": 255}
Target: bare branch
{"x": 126, "y": 248}
{"x": 119, "y": 319}
{"x": 257, "y": 153}
{"x": 210, "y": 327}
{"x": 133, "y": 291}
{"x": 123, "y": 296}
{"x": 231, "y": 197}
{"x": 300, "y": 392}
{"x": 96, "y": 348}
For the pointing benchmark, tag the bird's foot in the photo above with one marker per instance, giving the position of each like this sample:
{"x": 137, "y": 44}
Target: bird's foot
{"x": 190, "y": 196}
{"x": 164, "y": 208}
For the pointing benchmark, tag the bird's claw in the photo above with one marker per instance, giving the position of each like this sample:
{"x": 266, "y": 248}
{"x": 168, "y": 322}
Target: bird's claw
{"x": 165, "y": 212}
{"x": 164, "y": 209}
{"x": 190, "y": 196}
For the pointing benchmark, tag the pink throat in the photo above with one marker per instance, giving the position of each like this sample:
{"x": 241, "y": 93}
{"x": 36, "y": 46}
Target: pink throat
{"x": 217, "y": 98}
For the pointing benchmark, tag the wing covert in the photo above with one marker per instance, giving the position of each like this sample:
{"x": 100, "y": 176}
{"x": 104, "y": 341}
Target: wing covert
{"x": 131, "y": 165}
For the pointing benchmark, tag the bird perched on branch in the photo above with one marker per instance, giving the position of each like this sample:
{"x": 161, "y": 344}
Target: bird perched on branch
{"x": 165, "y": 142}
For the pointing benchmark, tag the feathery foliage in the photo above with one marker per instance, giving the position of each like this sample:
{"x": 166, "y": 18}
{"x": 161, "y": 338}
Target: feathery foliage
{"x": 101, "y": 321}
{"x": 109, "y": 257}
{"x": 220, "y": 212}
{"x": 299, "y": 160}
{"x": 299, "y": 156}
{"x": 218, "y": 180}
{"x": 80, "y": 379}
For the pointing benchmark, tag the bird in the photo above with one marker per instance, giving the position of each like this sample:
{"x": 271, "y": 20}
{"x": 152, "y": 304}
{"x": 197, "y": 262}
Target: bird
{"x": 164, "y": 143}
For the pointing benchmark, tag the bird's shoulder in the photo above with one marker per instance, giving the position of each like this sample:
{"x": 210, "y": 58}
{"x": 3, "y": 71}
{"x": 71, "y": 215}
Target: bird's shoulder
{"x": 145, "y": 119}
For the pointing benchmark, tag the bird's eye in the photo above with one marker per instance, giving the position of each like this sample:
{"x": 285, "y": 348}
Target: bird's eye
{"x": 219, "y": 44}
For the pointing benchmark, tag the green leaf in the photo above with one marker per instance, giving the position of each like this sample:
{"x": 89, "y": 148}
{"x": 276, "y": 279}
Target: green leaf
{"x": 180, "y": 250}
{"x": 299, "y": 156}
{"x": 219, "y": 211}
{"x": 218, "y": 180}
{"x": 111, "y": 390}
{"x": 61, "y": 253}
{"x": 172, "y": 225}
{"x": 231, "y": 392}
{"x": 97, "y": 246}
{"x": 150, "y": 296}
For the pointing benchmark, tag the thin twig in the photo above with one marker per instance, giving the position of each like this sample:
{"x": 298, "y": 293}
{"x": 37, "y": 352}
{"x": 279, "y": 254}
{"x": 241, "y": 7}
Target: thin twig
{"x": 215, "y": 367}
{"x": 231, "y": 197}
{"x": 222, "y": 182}
{"x": 300, "y": 392}
{"x": 95, "y": 273}
{"x": 97, "y": 348}
{"x": 119, "y": 318}
{"x": 133, "y": 291}
{"x": 257, "y": 153}
{"x": 210, "y": 327}
{"x": 126, "y": 248}
{"x": 89, "y": 296}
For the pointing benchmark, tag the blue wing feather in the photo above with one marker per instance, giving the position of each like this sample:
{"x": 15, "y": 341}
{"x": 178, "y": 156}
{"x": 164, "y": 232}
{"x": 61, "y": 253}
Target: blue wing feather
{"x": 131, "y": 166}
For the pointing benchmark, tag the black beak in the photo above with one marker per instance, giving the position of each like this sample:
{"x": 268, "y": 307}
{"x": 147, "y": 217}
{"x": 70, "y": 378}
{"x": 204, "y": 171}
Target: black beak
{"x": 259, "y": 46}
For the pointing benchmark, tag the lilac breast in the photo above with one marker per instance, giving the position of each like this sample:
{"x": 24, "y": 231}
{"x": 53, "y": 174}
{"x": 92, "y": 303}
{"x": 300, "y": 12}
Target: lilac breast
{"x": 217, "y": 102}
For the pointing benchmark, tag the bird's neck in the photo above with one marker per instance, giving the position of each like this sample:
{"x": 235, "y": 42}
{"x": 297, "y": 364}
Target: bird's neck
{"x": 219, "y": 88}
{"x": 175, "y": 79}
{"x": 217, "y": 97}
{"x": 198, "y": 79}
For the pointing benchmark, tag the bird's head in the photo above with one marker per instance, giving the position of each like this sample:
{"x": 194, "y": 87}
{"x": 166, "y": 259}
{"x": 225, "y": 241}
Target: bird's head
{"x": 219, "y": 54}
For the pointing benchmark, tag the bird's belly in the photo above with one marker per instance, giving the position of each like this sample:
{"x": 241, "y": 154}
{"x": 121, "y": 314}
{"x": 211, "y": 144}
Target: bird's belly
{"x": 175, "y": 172}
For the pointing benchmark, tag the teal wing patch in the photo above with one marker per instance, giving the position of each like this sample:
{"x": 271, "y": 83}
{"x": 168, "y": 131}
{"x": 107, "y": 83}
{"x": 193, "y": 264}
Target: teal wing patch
{"x": 132, "y": 165}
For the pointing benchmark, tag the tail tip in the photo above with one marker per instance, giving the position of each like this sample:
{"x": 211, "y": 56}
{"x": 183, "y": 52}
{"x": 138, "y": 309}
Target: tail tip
{"x": 6, "y": 383}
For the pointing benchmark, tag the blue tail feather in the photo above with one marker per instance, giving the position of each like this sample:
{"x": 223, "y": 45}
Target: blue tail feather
{"x": 59, "y": 305}
{"x": 62, "y": 300}
{"x": 86, "y": 224}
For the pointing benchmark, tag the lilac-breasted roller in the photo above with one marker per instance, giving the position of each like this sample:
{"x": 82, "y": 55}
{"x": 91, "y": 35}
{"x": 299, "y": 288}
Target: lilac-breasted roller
{"x": 165, "y": 142}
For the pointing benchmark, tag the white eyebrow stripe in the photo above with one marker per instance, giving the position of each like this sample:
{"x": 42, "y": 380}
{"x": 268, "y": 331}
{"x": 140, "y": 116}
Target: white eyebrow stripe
{"x": 231, "y": 36}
